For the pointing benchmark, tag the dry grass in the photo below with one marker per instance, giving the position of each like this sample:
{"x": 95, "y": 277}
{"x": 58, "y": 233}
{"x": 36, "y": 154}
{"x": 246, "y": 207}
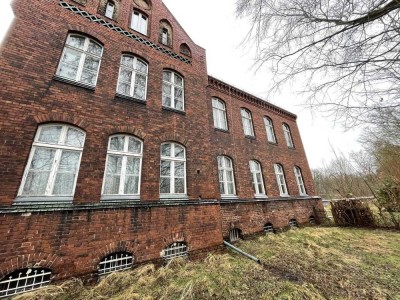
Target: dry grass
{"x": 311, "y": 263}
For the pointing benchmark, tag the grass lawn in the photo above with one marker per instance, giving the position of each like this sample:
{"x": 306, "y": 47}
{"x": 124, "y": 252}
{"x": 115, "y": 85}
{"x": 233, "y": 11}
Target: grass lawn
{"x": 310, "y": 263}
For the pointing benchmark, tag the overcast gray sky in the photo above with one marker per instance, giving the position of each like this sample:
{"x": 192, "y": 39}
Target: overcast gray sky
{"x": 212, "y": 25}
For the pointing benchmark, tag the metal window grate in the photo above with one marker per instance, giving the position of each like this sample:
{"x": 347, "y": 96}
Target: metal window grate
{"x": 312, "y": 220}
{"x": 24, "y": 280}
{"x": 115, "y": 262}
{"x": 175, "y": 250}
{"x": 132, "y": 36}
{"x": 293, "y": 223}
{"x": 234, "y": 234}
{"x": 269, "y": 228}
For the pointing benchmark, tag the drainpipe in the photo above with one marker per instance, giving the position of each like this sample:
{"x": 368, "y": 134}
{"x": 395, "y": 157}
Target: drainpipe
{"x": 242, "y": 252}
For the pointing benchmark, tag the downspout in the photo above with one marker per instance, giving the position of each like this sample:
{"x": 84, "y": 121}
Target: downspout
{"x": 242, "y": 252}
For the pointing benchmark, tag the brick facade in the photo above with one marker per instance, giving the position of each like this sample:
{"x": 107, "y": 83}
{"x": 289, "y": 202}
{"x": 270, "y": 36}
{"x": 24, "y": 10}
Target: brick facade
{"x": 71, "y": 238}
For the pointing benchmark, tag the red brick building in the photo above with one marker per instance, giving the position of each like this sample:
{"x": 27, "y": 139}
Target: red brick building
{"x": 117, "y": 148}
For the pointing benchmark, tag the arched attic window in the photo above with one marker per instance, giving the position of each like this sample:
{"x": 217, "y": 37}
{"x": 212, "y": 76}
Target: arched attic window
{"x": 165, "y": 33}
{"x": 108, "y": 8}
{"x": 184, "y": 49}
{"x": 24, "y": 280}
{"x": 143, "y": 4}
{"x": 139, "y": 22}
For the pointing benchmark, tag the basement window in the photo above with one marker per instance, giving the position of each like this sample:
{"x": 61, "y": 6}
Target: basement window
{"x": 293, "y": 223}
{"x": 117, "y": 261}
{"x": 234, "y": 234}
{"x": 312, "y": 220}
{"x": 269, "y": 228}
{"x": 24, "y": 280}
{"x": 175, "y": 250}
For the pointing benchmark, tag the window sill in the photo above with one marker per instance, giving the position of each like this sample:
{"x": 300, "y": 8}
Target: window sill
{"x": 285, "y": 196}
{"x": 166, "y": 108}
{"x": 119, "y": 198}
{"x": 250, "y": 137}
{"x": 121, "y": 96}
{"x": 260, "y": 196}
{"x": 291, "y": 148}
{"x": 227, "y": 197}
{"x": 272, "y": 143}
{"x": 221, "y": 130}
{"x": 25, "y": 200}
{"x": 173, "y": 197}
{"x": 73, "y": 82}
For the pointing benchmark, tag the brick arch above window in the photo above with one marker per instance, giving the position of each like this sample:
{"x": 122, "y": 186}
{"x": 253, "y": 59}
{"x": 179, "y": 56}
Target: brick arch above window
{"x": 173, "y": 137}
{"x": 62, "y": 118}
{"x": 118, "y": 246}
{"x": 131, "y": 130}
{"x": 175, "y": 237}
{"x": 143, "y": 4}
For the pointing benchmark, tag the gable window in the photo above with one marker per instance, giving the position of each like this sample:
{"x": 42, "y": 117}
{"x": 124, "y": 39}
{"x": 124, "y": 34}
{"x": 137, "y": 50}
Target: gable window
{"x": 288, "y": 135}
{"x": 225, "y": 174}
{"x": 247, "y": 122}
{"x": 110, "y": 7}
{"x": 123, "y": 167}
{"x": 219, "y": 114}
{"x": 280, "y": 178}
{"x": 139, "y": 22}
{"x": 24, "y": 280}
{"x": 184, "y": 48}
{"x": 165, "y": 33}
{"x": 173, "y": 169}
{"x": 172, "y": 90}
{"x": 53, "y": 164}
{"x": 115, "y": 262}
{"x": 299, "y": 180}
{"x": 80, "y": 61}
{"x": 269, "y": 127}
{"x": 132, "y": 79}
{"x": 258, "y": 182}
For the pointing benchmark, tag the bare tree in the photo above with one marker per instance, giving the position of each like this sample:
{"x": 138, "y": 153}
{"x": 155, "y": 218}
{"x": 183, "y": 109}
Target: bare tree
{"x": 347, "y": 50}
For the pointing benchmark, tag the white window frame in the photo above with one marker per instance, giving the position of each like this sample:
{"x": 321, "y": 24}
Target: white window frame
{"x": 142, "y": 23}
{"x": 84, "y": 53}
{"x": 124, "y": 154}
{"x": 134, "y": 72}
{"x": 219, "y": 114}
{"x": 173, "y": 160}
{"x": 288, "y": 135}
{"x": 247, "y": 122}
{"x": 269, "y": 128}
{"x": 254, "y": 171}
{"x": 173, "y": 87}
{"x": 300, "y": 181}
{"x": 281, "y": 181}
{"x": 59, "y": 148}
{"x": 110, "y": 8}
{"x": 225, "y": 169}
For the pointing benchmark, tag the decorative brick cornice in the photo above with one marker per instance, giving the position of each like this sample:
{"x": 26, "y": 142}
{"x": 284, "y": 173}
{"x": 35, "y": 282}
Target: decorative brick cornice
{"x": 174, "y": 137}
{"x": 62, "y": 117}
{"x": 230, "y": 90}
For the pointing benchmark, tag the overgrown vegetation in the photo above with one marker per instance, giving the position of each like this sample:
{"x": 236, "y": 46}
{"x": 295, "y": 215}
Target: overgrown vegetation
{"x": 310, "y": 263}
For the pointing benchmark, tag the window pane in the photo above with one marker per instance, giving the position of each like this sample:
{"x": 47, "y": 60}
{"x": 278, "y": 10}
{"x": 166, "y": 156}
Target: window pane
{"x": 124, "y": 89}
{"x": 68, "y": 71}
{"x": 165, "y": 185}
{"x": 71, "y": 58}
{"x": 179, "y": 169}
{"x": 166, "y": 94}
{"x": 178, "y": 80}
{"x": 139, "y": 92}
{"x": 179, "y": 151}
{"x": 131, "y": 185}
{"x": 113, "y": 172}
{"x": 141, "y": 66}
{"x": 231, "y": 189}
{"x": 125, "y": 75}
{"x": 75, "y": 138}
{"x": 229, "y": 175}
{"x": 111, "y": 185}
{"x": 64, "y": 184}
{"x": 88, "y": 77}
{"x": 69, "y": 161}
{"x": 76, "y": 41}
{"x": 221, "y": 175}
{"x": 166, "y": 150}
{"x": 167, "y": 76}
{"x": 134, "y": 146}
{"x": 133, "y": 166}
{"x": 221, "y": 188}
{"x": 165, "y": 168}
{"x": 39, "y": 172}
{"x": 94, "y": 48}
{"x": 179, "y": 185}
{"x": 50, "y": 134}
{"x": 117, "y": 143}
{"x": 127, "y": 61}
{"x": 179, "y": 105}
{"x": 91, "y": 63}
